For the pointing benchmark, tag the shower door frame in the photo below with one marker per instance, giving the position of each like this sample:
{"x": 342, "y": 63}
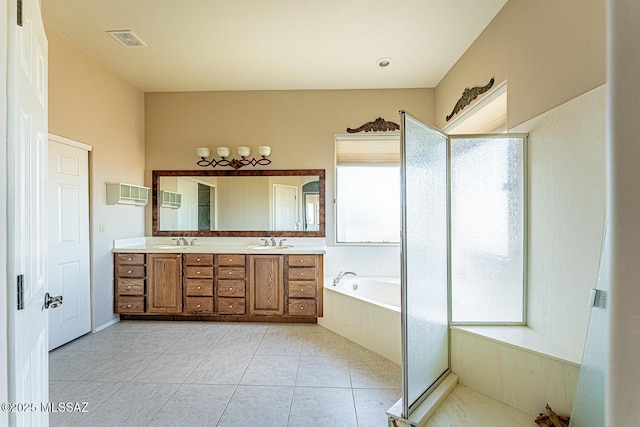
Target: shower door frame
{"x": 409, "y": 407}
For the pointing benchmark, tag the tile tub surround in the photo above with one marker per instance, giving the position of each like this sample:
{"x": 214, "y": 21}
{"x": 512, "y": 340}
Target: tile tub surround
{"x": 516, "y": 366}
{"x": 373, "y": 326}
{"x": 163, "y": 373}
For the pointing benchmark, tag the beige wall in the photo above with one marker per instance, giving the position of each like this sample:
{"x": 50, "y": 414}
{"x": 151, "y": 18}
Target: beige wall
{"x": 548, "y": 51}
{"x": 623, "y": 233}
{"x": 90, "y": 104}
{"x": 299, "y": 126}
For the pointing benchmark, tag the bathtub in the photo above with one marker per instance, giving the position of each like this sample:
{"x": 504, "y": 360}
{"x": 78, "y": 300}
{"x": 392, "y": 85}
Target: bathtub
{"x": 365, "y": 310}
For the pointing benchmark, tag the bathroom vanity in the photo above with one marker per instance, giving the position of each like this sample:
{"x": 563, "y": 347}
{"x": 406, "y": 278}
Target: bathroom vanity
{"x": 219, "y": 269}
{"x": 204, "y": 283}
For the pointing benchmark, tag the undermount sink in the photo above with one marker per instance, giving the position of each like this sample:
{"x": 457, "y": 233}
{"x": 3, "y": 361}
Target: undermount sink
{"x": 167, "y": 247}
{"x": 264, "y": 247}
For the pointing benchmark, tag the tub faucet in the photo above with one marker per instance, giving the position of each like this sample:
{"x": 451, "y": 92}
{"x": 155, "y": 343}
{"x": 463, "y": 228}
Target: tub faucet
{"x": 340, "y": 275}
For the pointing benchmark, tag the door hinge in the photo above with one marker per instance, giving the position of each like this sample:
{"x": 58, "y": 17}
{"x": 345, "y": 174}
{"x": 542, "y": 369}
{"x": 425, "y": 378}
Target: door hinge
{"x": 21, "y": 292}
{"x": 20, "y": 12}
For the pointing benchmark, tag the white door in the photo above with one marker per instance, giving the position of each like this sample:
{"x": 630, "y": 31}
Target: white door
{"x": 68, "y": 237}
{"x": 285, "y": 207}
{"x": 188, "y": 211}
{"x": 26, "y": 197}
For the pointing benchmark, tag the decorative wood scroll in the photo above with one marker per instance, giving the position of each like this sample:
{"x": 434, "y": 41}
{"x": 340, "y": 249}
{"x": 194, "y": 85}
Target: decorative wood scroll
{"x": 468, "y": 95}
{"x": 378, "y": 125}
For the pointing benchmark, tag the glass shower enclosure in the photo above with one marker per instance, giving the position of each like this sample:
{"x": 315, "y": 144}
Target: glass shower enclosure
{"x": 463, "y": 244}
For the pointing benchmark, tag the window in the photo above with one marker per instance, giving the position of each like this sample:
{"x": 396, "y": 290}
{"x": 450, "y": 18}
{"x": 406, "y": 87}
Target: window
{"x": 368, "y": 189}
{"x": 487, "y": 229}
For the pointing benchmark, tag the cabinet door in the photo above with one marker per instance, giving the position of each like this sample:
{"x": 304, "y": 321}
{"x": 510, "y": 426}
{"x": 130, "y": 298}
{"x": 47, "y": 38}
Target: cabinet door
{"x": 266, "y": 284}
{"x": 164, "y": 283}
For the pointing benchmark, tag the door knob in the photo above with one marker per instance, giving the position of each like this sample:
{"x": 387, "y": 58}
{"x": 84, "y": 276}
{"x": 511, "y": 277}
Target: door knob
{"x": 52, "y": 302}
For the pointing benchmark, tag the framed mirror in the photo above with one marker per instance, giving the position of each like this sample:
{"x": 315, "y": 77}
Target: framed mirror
{"x": 224, "y": 203}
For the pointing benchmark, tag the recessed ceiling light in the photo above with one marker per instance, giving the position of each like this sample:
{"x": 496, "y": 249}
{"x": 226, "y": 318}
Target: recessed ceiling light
{"x": 127, "y": 38}
{"x": 383, "y": 62}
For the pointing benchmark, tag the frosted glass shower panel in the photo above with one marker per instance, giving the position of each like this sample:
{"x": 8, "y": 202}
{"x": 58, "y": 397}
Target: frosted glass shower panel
{"x": 487, "y": 229}
{"x": 425, "y": 306}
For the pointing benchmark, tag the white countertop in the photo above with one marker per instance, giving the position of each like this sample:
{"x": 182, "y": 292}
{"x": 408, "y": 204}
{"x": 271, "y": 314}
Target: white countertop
{"x": 215, "y": 245}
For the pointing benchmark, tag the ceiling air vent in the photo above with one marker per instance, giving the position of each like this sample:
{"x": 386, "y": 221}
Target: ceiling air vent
{"x": 127, "y": 38}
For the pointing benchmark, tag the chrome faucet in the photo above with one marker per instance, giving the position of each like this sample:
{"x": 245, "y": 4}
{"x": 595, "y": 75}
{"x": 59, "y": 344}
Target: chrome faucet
{"x": 340, "y": 275}
{"x": 181, "y": 241}
{"x": 273, "y": 242}
{"x": 266, "y": 242}
{"x": 280, "y": 242}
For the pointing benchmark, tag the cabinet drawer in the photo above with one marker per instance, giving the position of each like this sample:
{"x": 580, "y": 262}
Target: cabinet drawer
{"x": 198, "y": 259}
{"x": 231, "y": 272}
{"x": 196, "y": 272}
{"x": 126, "y": 259}
{"x": 232, "y": 259}
{"x": 130, "y": 286}
{"x": 130, "y": 305}
{"x": 231, "y": 305}
{"x": 302, "y": 274}
{"x": 302, "y": 289}
{"x": 199, "y": 305}
{"x": 302, "y": 307}
{"x": 301, "y": 260}
{"x": 230, "y": 288}
{"x": 135, "y": 271}
{"x": 199, "y": 288}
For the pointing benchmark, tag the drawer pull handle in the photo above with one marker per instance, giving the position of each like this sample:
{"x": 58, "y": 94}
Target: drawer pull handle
{"x": 129, "y": 305}
{"x": 130, "y": 271}
{"x": 230, "y": 273}
{"x": 302, "y": 289}
{"x": 230, "y": 289}
{"x": 198, "y": 306}
{"x": 197, "y": 272}
{"x": 198, "y": 287}
{"x": 197, "y": 259}
{"x": 230, "y": 306}
{"x": 129, "y": 259}
{"x": 128, "y": 287}
{"x": 230, "y": 259}
{"x": 302, "y": 274}
{"x": 301, "y": 307}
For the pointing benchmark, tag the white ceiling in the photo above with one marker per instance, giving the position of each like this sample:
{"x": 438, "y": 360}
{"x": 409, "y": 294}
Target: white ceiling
{"x": 196, "y": 45}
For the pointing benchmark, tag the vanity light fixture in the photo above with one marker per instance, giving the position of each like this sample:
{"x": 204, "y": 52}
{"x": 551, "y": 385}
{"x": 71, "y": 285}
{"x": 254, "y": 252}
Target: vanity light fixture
{"x": 225, "y": 152}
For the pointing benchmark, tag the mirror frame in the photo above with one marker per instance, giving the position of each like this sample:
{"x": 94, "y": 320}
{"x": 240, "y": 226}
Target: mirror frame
{"x": 156, "y": 174}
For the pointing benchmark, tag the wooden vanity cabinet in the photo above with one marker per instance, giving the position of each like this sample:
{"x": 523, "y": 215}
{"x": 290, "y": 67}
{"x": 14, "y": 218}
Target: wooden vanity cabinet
{"x": 266, "y": 284}
{"x": 130, "y": 277}
{"x": 304, "y": 288}
{"x": 231, "y": 283}
{"x": 232, "y": 286}
{"x": 198, "y": 283}
{"x": 164, "y": 283}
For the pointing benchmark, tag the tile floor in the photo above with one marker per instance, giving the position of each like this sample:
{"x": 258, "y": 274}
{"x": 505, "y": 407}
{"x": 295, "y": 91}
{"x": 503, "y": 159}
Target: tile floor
{"x": 147, "y": 373}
